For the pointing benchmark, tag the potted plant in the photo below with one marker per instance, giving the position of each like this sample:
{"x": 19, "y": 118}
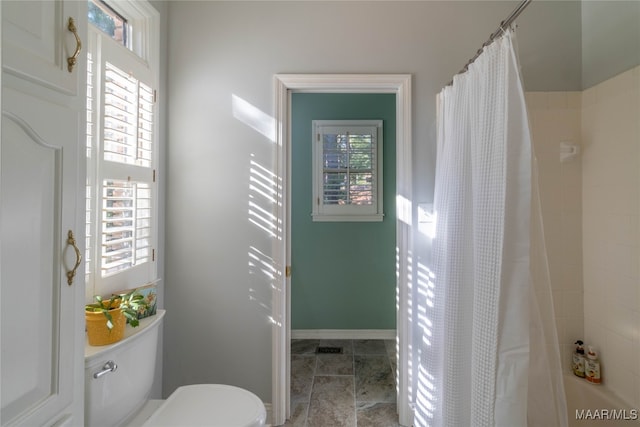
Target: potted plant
{"x": 106, "y": 318}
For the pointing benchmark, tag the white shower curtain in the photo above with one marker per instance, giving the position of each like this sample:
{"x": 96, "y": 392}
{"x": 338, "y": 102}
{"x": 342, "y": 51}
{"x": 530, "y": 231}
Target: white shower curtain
{"x": 475, "y": 351}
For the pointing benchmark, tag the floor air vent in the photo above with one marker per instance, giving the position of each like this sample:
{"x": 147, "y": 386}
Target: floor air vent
{"x": 329, "y": 350}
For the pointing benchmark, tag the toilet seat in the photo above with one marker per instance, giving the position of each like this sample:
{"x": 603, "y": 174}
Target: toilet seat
{"x": 214, "y": 405}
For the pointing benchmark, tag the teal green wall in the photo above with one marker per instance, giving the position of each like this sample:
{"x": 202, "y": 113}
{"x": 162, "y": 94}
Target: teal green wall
{"x": 343, "y": 274}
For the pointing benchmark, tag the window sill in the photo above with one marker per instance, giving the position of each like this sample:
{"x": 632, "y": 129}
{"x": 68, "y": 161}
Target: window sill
{"x": 347, "y": 218}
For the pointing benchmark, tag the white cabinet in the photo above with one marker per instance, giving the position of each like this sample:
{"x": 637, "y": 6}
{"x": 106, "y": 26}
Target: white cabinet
{"x": 36, "y": 41}
{"x": 42, "y": 180}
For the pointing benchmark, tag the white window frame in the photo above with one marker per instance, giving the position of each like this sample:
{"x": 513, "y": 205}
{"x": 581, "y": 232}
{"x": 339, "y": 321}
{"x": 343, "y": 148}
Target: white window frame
{"x": 144, "y": 21}
{"x": 141, "y": 59}
{"x": 348, "y": 212}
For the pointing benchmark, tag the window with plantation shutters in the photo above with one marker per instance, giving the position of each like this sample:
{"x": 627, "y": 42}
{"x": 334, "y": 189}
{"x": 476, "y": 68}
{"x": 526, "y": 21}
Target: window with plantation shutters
{"x": 121, "y": 157}
{"x": 347, "y": 170}
{"x": 128, "y": 118}
{"x": 126, "y": 175}
{"x": 126, "y": 225}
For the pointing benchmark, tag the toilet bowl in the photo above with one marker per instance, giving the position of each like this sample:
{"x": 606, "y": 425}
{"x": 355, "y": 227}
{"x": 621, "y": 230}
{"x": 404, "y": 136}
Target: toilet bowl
{"x": 119, "y": 378}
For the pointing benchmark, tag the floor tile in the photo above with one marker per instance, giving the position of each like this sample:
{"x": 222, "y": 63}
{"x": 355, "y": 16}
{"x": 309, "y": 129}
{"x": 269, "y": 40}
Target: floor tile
{"x": 355, "y": 388}
{"x": 374, "y": 379}
{"x": 302, "y": 370}
{"x": 332, "y": 402}
{"x": 390, "y": 345}
{"x": 334, "y": 364}
{"x": 369, "y": 347}
{"x": 304, "y": 346}
{"x": 377, "y": 415}
{"x": 298, "y": 415}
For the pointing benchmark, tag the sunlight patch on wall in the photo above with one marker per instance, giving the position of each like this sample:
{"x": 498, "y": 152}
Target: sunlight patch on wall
{"x": 253, "y": 117}
{"x": 263, "y": 196}
{"x": 403, "y": 209}
{"x": 262, "y": 272}
{"x": 262, "y": 181}
{"x": 262, "y": 264}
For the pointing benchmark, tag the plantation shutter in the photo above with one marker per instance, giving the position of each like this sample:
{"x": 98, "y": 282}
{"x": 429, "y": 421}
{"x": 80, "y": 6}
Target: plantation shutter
{"x": 128, "y": 118}
{"x": 126, "y": 225}
{"x": 120, "y": 134}
{"x": 347, "y": 171}
{"x": 349, "y": 165}
{"x": 127, "y": 179}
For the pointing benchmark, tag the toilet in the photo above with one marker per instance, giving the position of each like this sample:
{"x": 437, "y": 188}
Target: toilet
{"x": 118, "y": 381}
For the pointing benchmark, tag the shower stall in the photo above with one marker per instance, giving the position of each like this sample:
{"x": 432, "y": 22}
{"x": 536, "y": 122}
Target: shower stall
{"x": 590, "y": 208}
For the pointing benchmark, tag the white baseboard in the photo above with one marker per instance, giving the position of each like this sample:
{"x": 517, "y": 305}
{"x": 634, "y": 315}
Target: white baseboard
{"x": 344, "y": 334}
{"x": 268, "y": 408}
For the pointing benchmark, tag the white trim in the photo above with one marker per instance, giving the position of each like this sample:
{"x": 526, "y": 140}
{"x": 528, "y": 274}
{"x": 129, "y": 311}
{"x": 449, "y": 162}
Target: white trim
{"x": 145, "y": 22}
{"x": 347, "y": 218}
{"x": 343, "y": 334}
{"x": 269, "y": 410}
{"x": 284, "y": 84}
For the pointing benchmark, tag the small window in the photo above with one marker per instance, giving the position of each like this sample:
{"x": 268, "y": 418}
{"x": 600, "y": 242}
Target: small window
{"x": 347, "y": 170}
{"x": 108, "y": 21}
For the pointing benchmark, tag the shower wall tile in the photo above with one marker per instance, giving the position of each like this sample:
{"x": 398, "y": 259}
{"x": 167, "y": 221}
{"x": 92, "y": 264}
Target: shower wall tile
{"x": 626, "y": 291}
{"x": 617, "y": 86}
{"x": 557, "y": 100}
{"x": 573, "y": 305}
{"x": 536, "y": 101}
{"x": 555, "y": 117}
{"x": 611, "y": 229}
{"x": 572, "y": 277}
{"x": 574, "y": 100}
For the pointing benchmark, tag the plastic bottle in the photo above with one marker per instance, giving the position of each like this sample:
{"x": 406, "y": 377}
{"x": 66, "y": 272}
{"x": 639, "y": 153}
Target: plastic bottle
{"x": 578, "y": 359}
{"x": 592, "y": 366}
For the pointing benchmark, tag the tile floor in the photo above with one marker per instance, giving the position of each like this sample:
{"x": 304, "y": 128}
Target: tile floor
{"x": 352, "y": 389}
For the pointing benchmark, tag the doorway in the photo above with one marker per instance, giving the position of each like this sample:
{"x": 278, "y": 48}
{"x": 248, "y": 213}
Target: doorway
{"x": 343, "y": 259}
{"x": 285, "y": 85}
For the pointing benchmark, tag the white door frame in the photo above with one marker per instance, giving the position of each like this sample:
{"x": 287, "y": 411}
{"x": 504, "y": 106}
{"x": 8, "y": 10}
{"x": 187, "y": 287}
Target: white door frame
{"x": 285, "y": 84}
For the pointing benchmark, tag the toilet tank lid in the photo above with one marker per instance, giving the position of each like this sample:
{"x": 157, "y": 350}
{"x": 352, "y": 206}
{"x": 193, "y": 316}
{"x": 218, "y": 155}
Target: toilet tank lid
{"x": 215, "y": 405}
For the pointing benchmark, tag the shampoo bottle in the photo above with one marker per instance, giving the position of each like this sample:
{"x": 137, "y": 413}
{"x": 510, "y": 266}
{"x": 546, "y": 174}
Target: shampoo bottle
{"x": 592, "y": 366}
{"x": 578, "y": 359}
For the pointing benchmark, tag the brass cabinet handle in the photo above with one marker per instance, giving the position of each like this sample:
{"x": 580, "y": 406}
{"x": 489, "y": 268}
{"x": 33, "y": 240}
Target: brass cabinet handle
{"x": 71, "y": 240}
{"x": 71, "y": 61}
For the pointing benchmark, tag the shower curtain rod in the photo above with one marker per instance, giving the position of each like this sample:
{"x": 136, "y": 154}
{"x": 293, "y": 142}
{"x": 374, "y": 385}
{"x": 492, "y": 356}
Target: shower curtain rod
{"x": 501, "y": 29}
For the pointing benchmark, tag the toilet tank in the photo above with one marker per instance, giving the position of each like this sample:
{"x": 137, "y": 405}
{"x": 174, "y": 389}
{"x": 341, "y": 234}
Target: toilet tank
{"x": 118, "y": 394}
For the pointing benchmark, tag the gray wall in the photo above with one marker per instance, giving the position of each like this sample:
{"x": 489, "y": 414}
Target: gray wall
{"x": 218, "y": 297}
{"x": 610, "y": 39}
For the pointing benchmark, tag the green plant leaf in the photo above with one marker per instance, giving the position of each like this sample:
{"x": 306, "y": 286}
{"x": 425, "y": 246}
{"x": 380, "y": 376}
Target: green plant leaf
{"x": 130, "y": 304}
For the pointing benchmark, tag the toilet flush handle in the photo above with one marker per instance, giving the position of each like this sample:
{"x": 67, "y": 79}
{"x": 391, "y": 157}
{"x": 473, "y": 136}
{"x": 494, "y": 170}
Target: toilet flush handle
{"x": 110, "y": 366}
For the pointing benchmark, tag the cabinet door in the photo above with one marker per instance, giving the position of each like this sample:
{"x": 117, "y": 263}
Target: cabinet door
{"x": 41, "y": 198}
{"x": 36, "y": 41}
{"x": 39, "y": 309}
